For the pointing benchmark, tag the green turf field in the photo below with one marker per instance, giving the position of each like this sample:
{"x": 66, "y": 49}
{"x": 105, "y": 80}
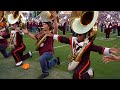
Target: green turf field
{"x": 102, "y": 71}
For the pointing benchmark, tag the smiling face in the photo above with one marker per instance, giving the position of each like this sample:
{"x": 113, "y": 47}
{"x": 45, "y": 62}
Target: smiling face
{"x": 14, "y": 26}
{"x": 45, "y": 26}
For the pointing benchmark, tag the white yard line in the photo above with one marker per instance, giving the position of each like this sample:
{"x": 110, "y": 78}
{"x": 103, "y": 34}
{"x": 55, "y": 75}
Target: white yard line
{"x": 34, "y": 51}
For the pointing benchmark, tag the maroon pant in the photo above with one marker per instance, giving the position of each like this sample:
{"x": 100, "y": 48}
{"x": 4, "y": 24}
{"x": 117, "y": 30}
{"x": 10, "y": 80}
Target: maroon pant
{"x": 17, "y": 53}
{"x": 80, "y": 71}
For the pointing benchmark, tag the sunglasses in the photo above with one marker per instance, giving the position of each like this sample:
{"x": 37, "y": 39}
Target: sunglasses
{"x": 79, "y": 34}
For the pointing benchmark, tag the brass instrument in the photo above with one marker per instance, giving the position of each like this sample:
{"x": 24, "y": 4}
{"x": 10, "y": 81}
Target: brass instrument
{"x": 22, "y": 21}
{"x": 46, "y": 16}
{"x": 82, "y": 22}
{"x": 1, "y": 15}
{"x": 11, "y": 42}
{"x": 16, "y": 16}
{"x": 12, "y": 18}
{"x": 2, "y": 23}
{"x": 40, "y": 42}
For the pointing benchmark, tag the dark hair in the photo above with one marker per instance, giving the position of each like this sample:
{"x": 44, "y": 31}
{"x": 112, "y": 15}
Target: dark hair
{"x": 49, "y": 24}
{"x": 17, "y": 23}
{"x": 40, "y": 24}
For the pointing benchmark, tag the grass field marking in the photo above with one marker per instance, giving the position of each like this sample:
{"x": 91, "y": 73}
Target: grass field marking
{"x": 34, "y": 51}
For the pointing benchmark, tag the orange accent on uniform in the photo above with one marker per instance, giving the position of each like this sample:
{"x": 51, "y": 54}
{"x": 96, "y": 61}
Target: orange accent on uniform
{"x": 103, "y": 50}
{"x": 84, "y": 68}
{"x": 58, "y": 38}
{"x": 87, "y": 46}
{"x": 87, "y": 62}
{"x": 17, "y": 50}
{"x": 71, "y": 43}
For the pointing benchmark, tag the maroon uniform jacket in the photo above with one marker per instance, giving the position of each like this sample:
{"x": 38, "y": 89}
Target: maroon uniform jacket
{"x": 47, "y": 45}
{"x": 19, "y": 47}
{"x": 108, "y": 28}
{"x": 17, "y": 38}
{"x": 3, "y": 37}
{"x": 85, "y": 60}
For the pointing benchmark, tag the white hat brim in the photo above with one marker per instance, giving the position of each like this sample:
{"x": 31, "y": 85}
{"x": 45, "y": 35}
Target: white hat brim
{"x": 45, "y": 16}
{"x": 81, "y": 29}
{"x": 11, "y": 20}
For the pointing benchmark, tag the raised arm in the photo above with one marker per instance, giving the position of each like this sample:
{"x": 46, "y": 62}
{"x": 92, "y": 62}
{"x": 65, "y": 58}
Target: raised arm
{"x": 61, "y": 39}
{"x": 55, "y": 22}
{"x": 29, "y": 34}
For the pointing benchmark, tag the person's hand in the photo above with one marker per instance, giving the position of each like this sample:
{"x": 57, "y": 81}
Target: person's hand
{"x": 25, "y": 31}
{"x": 114, "y": 50}
{"x": 48, "y": 33}
{"x": 93, "y": 33}
{"x": 54, "y": 14}
{"x": 110, "y": 58}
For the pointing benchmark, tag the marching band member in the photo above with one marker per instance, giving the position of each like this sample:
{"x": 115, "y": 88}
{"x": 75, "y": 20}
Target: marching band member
{"x": 76, "y": 43}
{"x": 82, "y": 43}
{"x": 3, "y": 36}
{"x": 19, "y": 46}
{"x": 46, "y": 50}
{"x": 108, "y": 30}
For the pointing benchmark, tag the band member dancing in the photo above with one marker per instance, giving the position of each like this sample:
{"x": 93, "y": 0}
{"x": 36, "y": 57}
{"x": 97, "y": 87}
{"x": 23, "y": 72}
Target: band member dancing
{"x": 76, "y": 43}
{"x": 82, "y": 45}
{"x": 46, "y": 50}
{"x": 16, "y": 36}
{"x": 4, "y": 35}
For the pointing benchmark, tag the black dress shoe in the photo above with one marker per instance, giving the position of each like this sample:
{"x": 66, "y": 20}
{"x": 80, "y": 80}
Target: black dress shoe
{"x": 43, "y": 75}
